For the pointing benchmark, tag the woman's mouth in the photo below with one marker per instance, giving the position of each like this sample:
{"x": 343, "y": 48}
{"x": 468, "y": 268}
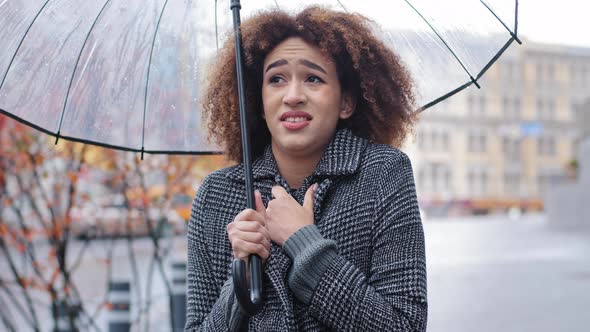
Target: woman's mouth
{"x": 298, "y": 119}
{"x": 295, "y": 120}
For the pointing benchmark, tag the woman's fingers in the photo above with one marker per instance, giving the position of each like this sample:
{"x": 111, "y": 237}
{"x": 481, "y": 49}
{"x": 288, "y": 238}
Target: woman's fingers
{"x": 249, "y": 232}
{"x": 251, "y": 215}
{"x": 248, "y": 235}
{"x": 247, "y": 226}
{"x": 243, "y": 249}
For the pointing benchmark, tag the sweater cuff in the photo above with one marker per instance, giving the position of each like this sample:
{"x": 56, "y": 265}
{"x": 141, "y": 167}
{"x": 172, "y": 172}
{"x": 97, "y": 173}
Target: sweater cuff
{"x": 312, "y": 254}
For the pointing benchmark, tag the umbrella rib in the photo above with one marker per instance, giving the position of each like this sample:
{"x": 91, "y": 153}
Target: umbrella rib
{"x": 216, "y": 29}
{"x": 105, "y": 145}
{"x": 491, "y": 62}
{"x": 513, "y": 34}
{"x": 487, "y": 66}
{"x": 21, "y": 43}
{"x": 516, "y": 18}
{"x": 147, "y": 80}
{"x": 473, "y": 80}
{"x": 441, "y": 98}
{"x": 341, "y": 5}
{"x": 63, "y": 111}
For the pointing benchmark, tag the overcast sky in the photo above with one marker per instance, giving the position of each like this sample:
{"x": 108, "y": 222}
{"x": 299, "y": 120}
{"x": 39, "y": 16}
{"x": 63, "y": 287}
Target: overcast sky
{"x": 556, "y": 22}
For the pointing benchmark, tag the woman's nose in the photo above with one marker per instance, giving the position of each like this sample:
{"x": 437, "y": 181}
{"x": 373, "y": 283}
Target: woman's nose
{"x": 294, "y": 95}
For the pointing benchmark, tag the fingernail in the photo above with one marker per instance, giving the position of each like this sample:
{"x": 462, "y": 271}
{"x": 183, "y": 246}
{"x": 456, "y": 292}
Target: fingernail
{"x": 315, "y": 187}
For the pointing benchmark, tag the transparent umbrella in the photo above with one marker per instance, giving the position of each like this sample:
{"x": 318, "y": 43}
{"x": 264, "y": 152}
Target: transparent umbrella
{"x": 127, "y": 74}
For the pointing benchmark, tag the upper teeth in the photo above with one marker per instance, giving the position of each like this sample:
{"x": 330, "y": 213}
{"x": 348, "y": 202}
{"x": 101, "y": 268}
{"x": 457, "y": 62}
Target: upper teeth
{"x": 297, "y": 119}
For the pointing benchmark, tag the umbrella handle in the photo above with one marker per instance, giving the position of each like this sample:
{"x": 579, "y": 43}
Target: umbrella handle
{"x": 249, "y": 303}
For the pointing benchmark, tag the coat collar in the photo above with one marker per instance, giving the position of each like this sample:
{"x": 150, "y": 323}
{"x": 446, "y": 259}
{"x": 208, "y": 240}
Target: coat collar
{"x": 342, "y": 157}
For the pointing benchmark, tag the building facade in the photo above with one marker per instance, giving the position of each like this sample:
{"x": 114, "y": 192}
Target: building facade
{"x": 503, "y": 145}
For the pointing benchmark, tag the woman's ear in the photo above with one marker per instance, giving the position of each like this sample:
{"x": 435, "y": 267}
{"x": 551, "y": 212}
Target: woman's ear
{"x": 348, "y": 106}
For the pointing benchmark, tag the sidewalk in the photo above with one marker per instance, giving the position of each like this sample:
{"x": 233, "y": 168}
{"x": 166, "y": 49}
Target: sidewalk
{"x": 485, "y": 274}
{"x": 497, "y": 274}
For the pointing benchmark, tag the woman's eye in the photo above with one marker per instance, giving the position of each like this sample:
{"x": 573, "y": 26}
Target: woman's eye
{"x": 275, "y": 79}
{"x": 314, "y": 79}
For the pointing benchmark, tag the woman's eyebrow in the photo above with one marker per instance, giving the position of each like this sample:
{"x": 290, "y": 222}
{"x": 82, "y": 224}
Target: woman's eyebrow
{"x": 304, "y": 62}
{"x": 277, "y": 63}
{"x": 312, "y": 65}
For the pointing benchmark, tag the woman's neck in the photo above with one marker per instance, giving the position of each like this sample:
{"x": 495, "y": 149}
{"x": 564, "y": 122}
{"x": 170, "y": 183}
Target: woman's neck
{"x": 295, "y": 169}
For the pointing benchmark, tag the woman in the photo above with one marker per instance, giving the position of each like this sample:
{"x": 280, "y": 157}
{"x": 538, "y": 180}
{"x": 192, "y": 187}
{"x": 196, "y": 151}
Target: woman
{"x": 337, "y": 223}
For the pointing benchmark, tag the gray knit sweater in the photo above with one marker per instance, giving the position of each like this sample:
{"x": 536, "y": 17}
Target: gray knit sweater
{"x": 360, "y": 267}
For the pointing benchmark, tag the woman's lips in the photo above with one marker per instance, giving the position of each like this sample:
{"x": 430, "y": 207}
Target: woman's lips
{"x": 295, "y": 125}
{"x": 295, "y": 120}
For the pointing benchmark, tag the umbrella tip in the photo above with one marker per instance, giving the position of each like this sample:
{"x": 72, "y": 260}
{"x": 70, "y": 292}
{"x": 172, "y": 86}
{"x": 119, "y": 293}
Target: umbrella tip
{"x": 57, "y": 137}
{"x": 516, "y": 38}
{"x": 142, "y": 151}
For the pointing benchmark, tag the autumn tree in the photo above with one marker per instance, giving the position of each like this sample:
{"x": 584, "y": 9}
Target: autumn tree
{"x": 53, "y": 224}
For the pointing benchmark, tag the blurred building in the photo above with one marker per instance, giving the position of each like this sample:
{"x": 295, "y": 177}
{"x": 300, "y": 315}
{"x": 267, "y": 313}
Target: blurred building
{"x": 501, "y": 146}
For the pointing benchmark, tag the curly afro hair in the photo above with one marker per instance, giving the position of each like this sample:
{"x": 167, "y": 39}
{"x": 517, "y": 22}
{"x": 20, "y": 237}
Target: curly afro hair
{"x": 369, "y": 71}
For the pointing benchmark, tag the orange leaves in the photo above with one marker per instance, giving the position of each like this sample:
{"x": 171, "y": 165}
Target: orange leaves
{"x": 38, "y": 266}
{"x": 54, "y": 275}
{"x": 39, "y": 159}
{"x": 57, "y": 230}
{"x": 25, "y": 282}
{"x": 120, "y": 306}
{"x": 30, "y": 283}
{"x": 27, "y": 235}
{"x": 67, "y": 220}
{"x": 73, "y": 177}
{"x": 109, "y": 306}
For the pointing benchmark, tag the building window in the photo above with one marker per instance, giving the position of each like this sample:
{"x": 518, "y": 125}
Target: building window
{"x": 476, "y": 105}
{"x": 511, "y": 107}
{"x": 545, "y": 109}
{"x": 539, "y": 74}
{"x": 445, "y": 140}
{"x": 511, "y": 148}
{"x": 435, "y": 177}
{"x": 477, "y": 180}
{"x": 477, "y": 142}
{"x": 580, "y": 75}
{"x": 434, "y": 140}
{"x": 512, "y": 183}
{"x": 510, "y": 71}
{"x": 546, "y": 146}
{"x": 550, "y": 73}
{"x": 545, "y": 73}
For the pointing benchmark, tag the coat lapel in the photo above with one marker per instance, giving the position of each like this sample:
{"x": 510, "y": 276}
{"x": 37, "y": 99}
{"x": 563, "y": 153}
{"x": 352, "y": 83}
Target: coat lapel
{"x": 342, "y": 157}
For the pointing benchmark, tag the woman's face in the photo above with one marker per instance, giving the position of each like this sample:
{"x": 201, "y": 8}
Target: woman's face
{"x": 302, "y": 98}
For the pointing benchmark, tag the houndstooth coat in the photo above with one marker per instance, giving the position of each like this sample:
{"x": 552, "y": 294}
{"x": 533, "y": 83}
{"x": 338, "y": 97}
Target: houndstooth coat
{"x": 365, "y": 202}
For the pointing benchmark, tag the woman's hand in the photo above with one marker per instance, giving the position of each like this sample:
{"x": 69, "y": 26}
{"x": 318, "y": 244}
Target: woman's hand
{"x": 248, "y": 233}
{"x": 284, "y": 216}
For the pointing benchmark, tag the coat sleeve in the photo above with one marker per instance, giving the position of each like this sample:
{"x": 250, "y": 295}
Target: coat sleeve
{"x": 209, "y": 300}
{"x": 393, "y": 296}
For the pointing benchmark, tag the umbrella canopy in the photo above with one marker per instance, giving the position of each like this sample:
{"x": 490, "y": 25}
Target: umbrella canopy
{"x": 128, "y": 74}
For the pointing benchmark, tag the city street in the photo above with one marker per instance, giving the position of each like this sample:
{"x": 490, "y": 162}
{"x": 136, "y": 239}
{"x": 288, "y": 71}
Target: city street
{"x": 484, "y": 274}
{"x": 496, "y": 274}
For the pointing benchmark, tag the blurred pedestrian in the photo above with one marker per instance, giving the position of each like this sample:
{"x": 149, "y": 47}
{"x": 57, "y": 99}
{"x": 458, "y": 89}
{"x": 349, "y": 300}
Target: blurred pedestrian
{"x": 337, "y": 222}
